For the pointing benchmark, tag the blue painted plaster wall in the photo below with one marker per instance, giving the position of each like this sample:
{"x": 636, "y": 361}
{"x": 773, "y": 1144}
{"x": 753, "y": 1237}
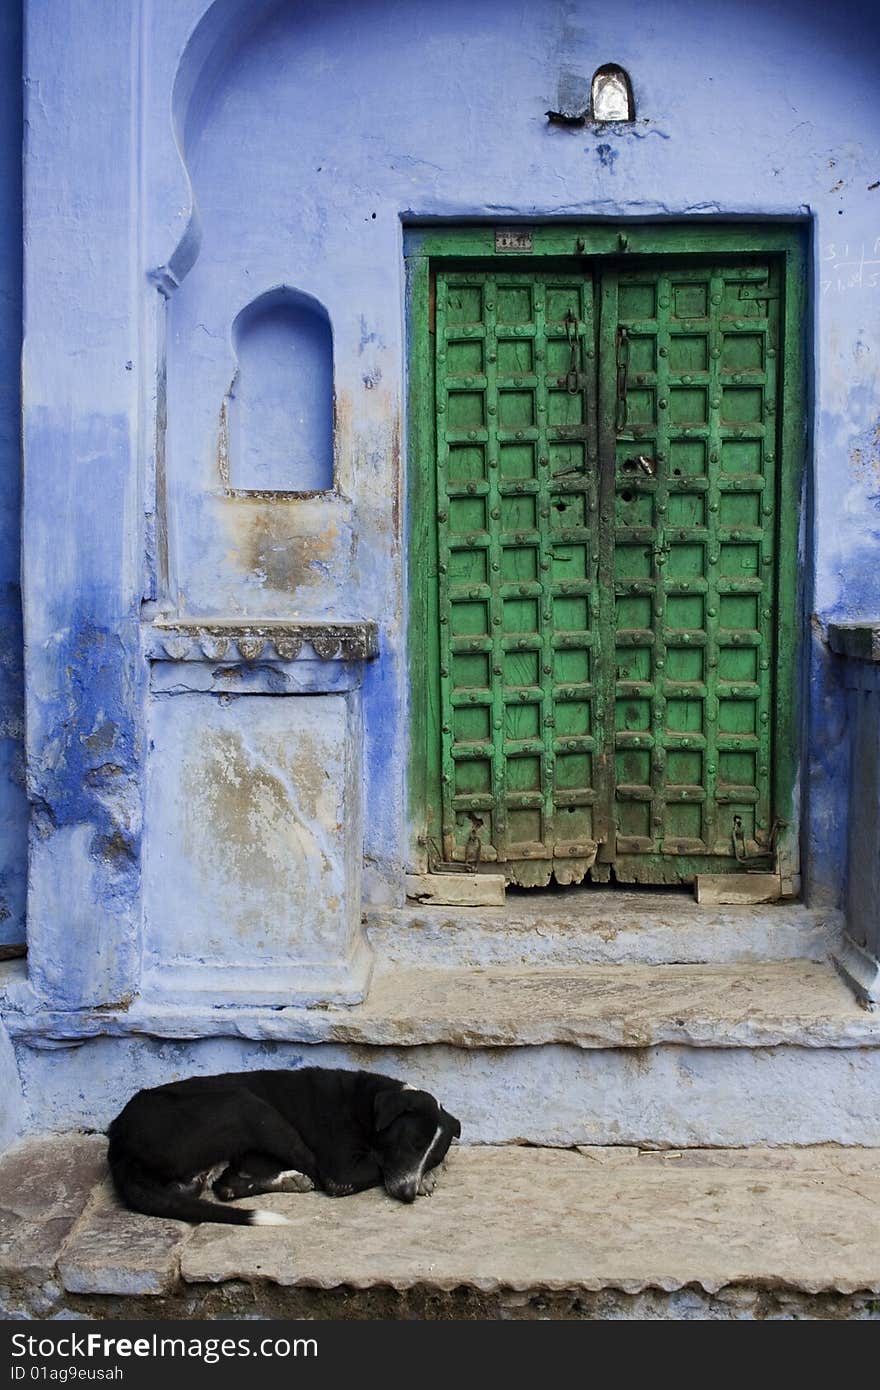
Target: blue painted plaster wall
{"x": 13, "y": 806}
{"x": 380, "y": 112}
{"x": 82, "y": 506}
{"x": 184, "y": 159}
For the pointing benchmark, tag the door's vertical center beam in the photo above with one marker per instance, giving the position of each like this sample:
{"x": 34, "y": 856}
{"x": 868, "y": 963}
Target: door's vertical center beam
{"x": 498, "y": 832}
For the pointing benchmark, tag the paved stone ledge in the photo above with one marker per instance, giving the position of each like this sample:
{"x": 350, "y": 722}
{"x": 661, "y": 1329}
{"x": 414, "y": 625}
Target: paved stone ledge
{"x": 797, "y": 1003}
{"x": 731, "y": 1225}
{"x": 111, "y": 1250}
{"x": 528, "y": 1219}
{"x": 44, "y": 1187}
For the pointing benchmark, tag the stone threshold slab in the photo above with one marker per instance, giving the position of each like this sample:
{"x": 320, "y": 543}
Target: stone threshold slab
{"x": 782, "y": 1003}
{"x": 527, "y": 1219}
{"x": 592, "y": 927}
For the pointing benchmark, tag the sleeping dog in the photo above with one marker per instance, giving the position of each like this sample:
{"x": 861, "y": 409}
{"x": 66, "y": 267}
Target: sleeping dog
{"x": 274, "y": 1131}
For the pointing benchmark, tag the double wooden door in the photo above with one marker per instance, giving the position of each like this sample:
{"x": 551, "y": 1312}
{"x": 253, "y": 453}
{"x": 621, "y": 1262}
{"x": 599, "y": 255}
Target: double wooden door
{"x": 606, "y": 544}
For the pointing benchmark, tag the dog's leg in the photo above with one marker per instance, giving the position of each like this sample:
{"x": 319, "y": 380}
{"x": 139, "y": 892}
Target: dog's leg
{"x": 428, "y": 1182}
{"x": 270, "y": 1136}
{"x": 255, "y": 1174}
{"x": 352, "y": 1175}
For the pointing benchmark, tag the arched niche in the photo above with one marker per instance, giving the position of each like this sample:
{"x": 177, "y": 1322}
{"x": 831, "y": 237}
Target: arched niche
{"x": 280, "y": 404}
{"x": 611, "y": 97}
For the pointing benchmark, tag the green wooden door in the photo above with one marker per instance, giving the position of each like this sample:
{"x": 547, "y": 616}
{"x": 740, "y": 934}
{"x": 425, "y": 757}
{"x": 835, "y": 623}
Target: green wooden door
{"x": 606, "y": 545}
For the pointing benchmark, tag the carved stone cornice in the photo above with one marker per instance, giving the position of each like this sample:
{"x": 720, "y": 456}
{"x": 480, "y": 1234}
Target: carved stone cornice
{"x": 234, "y": 643}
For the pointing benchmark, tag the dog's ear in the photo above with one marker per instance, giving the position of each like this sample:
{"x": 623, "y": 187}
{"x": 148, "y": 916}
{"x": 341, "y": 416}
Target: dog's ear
{"x": 388, "y": 1105}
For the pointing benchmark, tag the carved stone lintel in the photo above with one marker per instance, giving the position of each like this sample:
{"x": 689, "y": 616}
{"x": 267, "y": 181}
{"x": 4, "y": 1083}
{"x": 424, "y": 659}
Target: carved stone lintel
{"x": 325, "y": 644}
{"x": 251, "y": 647}
{"x": 214, "y": 648}
{"x": 288, "y": 648}
{"x": 264, "y": 642}
{"x": 177, "y": 647}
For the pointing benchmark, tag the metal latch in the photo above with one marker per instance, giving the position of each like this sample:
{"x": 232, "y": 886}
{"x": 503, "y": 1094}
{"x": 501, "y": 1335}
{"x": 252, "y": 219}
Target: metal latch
{"x": 573, "y": 379}
{"x": 641, "y": 463}
{"x": 622, "y": 377}
{"x": 473, "y": 852}
{"x": 752, "y": 853}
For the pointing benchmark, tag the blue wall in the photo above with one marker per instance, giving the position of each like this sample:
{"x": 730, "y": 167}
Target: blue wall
{"x": 221, "y": 151}
{"x": 218, "y": 152}
{"x": 13, "y": 807}
{"x": 321, "y": 125}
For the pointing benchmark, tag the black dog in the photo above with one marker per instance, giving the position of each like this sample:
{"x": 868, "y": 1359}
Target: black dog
{"x": 274, "y": 1131}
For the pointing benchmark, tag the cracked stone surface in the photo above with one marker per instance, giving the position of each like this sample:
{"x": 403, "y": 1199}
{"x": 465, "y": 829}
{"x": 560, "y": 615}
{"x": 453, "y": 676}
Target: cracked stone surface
{"x": 115, "y": 1251}
{"x": 802, "y": 1220}
{"x": 797, "y": 1002}
{"x": 44, "y": 1186}
{"x": 525, "y": 1218}
{"x": 801, "y": 1003}
{"x": 586, "y": 927}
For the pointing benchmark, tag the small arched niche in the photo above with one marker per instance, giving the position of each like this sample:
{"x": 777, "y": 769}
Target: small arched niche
{"x": 280, "y": 408}
{"x": 611, "y": 94}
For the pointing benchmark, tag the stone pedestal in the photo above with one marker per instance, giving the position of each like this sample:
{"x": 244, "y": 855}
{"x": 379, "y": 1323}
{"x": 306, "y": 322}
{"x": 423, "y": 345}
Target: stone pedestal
{"x": 252, "y": 884}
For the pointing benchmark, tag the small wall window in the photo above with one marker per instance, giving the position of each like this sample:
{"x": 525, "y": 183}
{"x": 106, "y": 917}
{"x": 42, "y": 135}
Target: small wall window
{"x": 611, "y": 95}
{"x": 281, "y": 401}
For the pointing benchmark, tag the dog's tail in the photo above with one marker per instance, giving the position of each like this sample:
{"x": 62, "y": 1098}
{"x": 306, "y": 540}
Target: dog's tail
{"x": 142, "y": 1191}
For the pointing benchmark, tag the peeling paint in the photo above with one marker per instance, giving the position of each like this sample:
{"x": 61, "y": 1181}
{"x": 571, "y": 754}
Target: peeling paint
{"x": 249, "y": 817}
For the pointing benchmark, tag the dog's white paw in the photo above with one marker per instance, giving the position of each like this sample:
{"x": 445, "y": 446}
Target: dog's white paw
{"x": 291, "y": 1180}
{"x": 269, "y": 1218}
{"x": 427, "y": 1185}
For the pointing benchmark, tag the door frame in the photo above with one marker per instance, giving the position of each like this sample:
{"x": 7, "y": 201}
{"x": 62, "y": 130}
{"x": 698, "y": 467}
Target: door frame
{"x": 425, "y": 249}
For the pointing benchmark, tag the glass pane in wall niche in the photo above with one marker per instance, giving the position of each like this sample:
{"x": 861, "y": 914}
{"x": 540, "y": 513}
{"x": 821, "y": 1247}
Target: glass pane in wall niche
{"x": 612, "y": 95}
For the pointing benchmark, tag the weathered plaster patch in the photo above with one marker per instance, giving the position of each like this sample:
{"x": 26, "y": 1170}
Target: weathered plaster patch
{"x": 85, "y": 788}
{"x": 245, "y": 823}
{"x": 249, "y": 808}
{"x": 13, "y": 1116}
{"x": 289, "y": 546}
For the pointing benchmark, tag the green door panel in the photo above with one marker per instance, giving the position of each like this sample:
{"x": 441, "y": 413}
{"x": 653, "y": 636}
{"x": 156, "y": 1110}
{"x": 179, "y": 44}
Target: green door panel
{"x": 600, "y": 563}
{"x": 517, "y": 565}
{"x": 688, "y": 415}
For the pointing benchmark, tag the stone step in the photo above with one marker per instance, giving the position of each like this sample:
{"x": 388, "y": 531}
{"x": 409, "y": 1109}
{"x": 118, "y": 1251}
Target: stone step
{"x": 662, "y": 1055}
{"x": 512, "y": 1232}
{"x": 596, "y": 926}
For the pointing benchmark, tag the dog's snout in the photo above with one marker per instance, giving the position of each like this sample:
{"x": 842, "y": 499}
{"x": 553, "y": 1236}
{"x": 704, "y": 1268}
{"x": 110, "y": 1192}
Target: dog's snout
{"x": 404, "y": 1190}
